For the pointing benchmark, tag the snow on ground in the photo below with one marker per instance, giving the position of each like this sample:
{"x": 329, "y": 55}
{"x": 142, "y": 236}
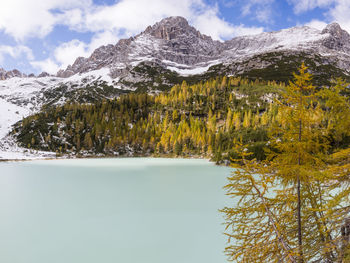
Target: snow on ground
{"x": 186, "y": 70}
{"x": 138, "y": 60}
{"x": 9, "y": 150}
{"x": 10, "y": 114}
{"x": 300, "y": 35}
{"x": 100, "y": 74}
{"x": 21, "y": 97}
{"x": 295, "y": 38}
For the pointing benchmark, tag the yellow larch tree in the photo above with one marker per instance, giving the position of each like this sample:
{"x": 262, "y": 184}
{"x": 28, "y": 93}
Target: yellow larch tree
{"x": 290, "y": 207}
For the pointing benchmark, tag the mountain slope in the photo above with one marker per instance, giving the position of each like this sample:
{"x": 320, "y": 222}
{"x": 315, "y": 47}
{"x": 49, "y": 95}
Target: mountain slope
{"x": 200, "y": 119}
{"x": 175, "y": 45}
{"x": 168, "y": 53}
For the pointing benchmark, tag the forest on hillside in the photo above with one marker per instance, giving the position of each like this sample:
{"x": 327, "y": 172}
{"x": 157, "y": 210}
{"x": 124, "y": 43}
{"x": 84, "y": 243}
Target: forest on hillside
{"x": 204, "y": 119}
{"x": 291, "y": 144}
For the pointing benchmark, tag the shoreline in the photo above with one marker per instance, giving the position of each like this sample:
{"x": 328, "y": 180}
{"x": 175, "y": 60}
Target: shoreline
{"x": 223, "y": 163}
{"x": 111, "y": 157}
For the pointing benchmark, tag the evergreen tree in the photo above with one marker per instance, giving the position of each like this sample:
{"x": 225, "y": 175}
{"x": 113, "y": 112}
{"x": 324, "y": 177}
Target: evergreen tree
{"x": 290, "y": 206}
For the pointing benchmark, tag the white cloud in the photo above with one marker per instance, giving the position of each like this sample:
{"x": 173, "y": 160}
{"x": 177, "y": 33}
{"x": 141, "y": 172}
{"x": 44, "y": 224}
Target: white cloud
{"x": 109, "y": 23}
{"x": 101, "y": 39}
{"x": 35, "y": 18}
{"x": 130, "y": 15}
{"x": 15, "y": 52}
{"x": 316, "y": 24}
{"x": 134, "y": 15}
{"x": 23, "y": 19}
{"x": 264, "y": 15}
{"x": 67, "y": 52}
{"x": 220, "y": 29}
{"x": 63, "y": 55}
{"x": 242, "y": 30}
{"x": 336, "y": 11}
{"x": 340, "y": 13}
{"x": 47, "y": 65}
{"x": 301, "y": 6}
{"x": 260, "y": 10}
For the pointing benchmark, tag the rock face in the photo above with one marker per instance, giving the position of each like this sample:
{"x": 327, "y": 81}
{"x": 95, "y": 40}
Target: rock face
{"x": 43, "y": 75}
{"x": 338, "y": 38}
{"x": 182, "y": 43}
{"x": 172, "y": 28}
{"x": 173, "y": 44}
{"x": 171, "y": 40}
{"x": 168, "y": 53}
{"x": 10, "y": 74}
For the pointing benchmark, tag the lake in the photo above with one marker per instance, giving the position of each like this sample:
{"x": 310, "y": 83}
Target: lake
{"x": 128, "y": 210}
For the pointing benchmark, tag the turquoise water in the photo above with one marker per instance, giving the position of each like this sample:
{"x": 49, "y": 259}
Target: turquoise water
{"x": 112, "y": 210}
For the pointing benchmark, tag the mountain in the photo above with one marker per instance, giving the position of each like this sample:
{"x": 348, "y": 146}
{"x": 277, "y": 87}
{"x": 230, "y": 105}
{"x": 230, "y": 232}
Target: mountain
{"x": 11, "y": 74}
{"x": 170, "y": 50}
{"x": 168, "y": 53}
{"x": 173, "y": 45}
{"x": 171, "y": 41}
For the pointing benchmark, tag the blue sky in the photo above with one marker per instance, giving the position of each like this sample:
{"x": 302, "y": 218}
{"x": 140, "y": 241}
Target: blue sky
{"x": 46, "y": 35}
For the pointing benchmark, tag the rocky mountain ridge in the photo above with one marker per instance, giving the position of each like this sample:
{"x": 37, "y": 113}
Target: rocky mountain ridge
{"x": 168, "y": 53}
{"x": 4, "y": 75}
{"x": 11, "y": 74}
{"x": 172, "y": 44}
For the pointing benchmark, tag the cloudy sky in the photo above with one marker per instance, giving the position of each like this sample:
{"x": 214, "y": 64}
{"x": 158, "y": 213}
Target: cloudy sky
{"x": 45, "y": 35}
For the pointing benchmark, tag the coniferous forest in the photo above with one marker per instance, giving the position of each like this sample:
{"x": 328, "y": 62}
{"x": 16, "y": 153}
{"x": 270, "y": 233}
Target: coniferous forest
{"x": 205, "y": 119}
{"x": 294, "y": 205}
{"x": 290, "y": 143}
{"x": 202, "y": 120}
{"x": 241, "y": 135}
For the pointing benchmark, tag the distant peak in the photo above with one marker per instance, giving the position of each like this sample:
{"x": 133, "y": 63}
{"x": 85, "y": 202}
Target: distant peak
{"x": 173, "y": 20}
{"x": 10, "y": 74}
{"x": 333, "y": 28}
{"x": 170, "y": 28}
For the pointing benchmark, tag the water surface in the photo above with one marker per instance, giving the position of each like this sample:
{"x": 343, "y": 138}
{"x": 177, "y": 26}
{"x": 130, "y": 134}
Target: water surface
{"x": 112, "y": 210}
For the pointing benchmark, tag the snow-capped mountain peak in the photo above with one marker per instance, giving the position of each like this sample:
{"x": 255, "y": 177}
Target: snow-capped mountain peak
{"x": 174, "y": 44}
{"x": 165, "y": 54}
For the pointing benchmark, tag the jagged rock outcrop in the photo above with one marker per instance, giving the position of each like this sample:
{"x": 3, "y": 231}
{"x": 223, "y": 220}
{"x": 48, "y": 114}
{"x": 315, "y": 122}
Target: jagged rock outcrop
{"x": 174, "y": 44}
{"x": 183, "y": 43}
{"x": 10, "y": 74}
{"x": 170, "y": 40}
{"x": 43, "y": 74}
{"x": 170, "y": 52}
{"x": 338, "y": 38}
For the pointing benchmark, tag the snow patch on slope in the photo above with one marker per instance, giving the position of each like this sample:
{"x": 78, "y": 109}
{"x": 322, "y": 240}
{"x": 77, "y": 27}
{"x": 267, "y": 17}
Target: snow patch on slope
{"x": 9, "y": 150}
{"x": 10, "y": 114}
{"x": 186, "y": 70}
{"x": 21, "y": 97}
{"x": 296, "y": 38}
{"x": 102, "y": 74}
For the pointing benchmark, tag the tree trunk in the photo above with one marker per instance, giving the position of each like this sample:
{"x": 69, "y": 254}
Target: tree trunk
{"x": 300, "y": 239}
{"x": 345, "y": 233}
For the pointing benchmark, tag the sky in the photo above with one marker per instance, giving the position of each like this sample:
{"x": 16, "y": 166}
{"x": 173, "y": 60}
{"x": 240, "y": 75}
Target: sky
{"x": 48, "y": 35}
